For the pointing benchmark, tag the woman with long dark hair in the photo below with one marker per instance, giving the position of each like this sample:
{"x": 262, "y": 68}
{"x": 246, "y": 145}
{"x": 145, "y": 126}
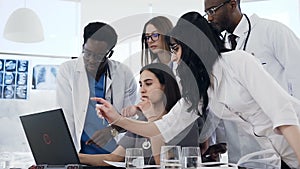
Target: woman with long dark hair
{"x": 241, "y": 90}
{"x": 234, "y": 84}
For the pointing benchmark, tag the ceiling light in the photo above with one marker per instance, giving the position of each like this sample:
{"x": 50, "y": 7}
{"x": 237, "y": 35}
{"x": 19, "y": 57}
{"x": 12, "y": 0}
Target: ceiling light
{"x": 23, "y": 25}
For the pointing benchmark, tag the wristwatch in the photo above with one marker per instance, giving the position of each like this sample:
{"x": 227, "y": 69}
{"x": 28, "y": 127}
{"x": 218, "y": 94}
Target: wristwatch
{"x": 114, "y": 132}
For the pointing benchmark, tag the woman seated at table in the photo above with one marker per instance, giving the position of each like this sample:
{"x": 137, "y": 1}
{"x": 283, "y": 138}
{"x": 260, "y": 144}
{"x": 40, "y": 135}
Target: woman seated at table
{"x": 159, "y": 92}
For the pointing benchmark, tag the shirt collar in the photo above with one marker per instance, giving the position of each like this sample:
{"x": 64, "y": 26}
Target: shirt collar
{"x": 242, "y": 28}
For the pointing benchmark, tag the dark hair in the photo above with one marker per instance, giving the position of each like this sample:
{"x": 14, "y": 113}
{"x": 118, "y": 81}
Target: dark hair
{"x": 166, "y": 77}
{"x": 201, "y": 23}
{"x": 201, "y": 47}
{"x": 102, "y": 32}
{"x": 163, "y": 25}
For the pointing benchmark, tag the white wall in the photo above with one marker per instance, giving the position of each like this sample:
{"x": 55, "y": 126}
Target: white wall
{"x": 60, "y": 20}
{"x": 286, "y": 12}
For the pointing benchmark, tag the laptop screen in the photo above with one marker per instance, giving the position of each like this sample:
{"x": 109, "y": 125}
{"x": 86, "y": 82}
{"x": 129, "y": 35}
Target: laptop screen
{"x": 49, "y": 138}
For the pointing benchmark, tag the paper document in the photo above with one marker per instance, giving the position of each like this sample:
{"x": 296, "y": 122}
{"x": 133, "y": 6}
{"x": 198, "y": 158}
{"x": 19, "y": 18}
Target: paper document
{"x": 122, "y": 164}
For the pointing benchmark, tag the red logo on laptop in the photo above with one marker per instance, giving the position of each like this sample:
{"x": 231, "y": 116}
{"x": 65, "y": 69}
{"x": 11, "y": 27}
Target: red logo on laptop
{"x": 47, "y": 139}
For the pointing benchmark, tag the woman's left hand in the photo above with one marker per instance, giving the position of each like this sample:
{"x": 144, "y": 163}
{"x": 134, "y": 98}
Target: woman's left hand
{"x": 106, "y": 110}
{"x": 147, "y": 109}
{"x": 145, "y": 105}
{"x": 130, "y": 111}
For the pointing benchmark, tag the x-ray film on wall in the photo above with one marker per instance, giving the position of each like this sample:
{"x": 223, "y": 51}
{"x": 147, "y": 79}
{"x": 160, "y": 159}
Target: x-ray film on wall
{"x": 13, "y": 79}
{"x": 44, "y": 77}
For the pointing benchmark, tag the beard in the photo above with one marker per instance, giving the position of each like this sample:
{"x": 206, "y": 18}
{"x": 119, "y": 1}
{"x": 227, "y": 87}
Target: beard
{"x": 216, "y": 28}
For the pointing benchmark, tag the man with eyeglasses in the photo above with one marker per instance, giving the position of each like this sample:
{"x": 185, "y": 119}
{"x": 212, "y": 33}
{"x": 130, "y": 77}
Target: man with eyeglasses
{"x": 94, "y": 74}
{"x": 274, "y": 44}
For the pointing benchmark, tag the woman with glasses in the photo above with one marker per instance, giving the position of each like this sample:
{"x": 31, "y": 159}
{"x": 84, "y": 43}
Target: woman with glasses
{"x": 154, "y": 47}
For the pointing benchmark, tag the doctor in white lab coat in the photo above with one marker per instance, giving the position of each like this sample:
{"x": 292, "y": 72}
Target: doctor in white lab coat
{"x": 73, "y": 92}
{"x": 77, "y": 82}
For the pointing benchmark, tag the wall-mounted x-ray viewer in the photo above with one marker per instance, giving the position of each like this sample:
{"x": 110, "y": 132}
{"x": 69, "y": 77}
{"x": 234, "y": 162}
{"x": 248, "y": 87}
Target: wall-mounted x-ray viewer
{"x": 13, "y": 79}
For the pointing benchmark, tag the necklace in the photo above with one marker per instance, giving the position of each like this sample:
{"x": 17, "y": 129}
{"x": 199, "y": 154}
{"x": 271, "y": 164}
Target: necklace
{"x": 146, "y": 144}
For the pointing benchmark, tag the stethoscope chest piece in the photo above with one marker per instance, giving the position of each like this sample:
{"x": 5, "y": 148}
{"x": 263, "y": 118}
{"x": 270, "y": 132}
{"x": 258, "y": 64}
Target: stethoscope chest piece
{"x": 146, "y": 144}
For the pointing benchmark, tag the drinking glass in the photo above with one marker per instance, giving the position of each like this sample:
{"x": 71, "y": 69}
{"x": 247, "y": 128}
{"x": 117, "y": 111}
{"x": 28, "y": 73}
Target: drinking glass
{"x": 191, "y": 157}
{"x": 170, "y": 157}
{"x": 5, "y": 159}
{"x": 134, "y": 158}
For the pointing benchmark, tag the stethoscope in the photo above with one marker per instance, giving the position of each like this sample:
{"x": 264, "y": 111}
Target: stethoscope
{"x": 107, "y": 75}
{"x": 249, "y": 31}
{"x": 248, "y": 34}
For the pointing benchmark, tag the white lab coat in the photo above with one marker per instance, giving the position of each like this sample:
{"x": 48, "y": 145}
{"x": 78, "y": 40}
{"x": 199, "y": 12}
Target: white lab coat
{"x": 243, "y": 88}
{"x": 73, "y": 92}
{"x": 176, "y": 120}
{"x": 277, "y": 48}
{"x": 244, "y": 92}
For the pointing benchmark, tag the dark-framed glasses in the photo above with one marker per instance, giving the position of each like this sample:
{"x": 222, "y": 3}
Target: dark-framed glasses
{"x": 211, "y": 11}
{"x": 154, "y": 37}
{"x": 99, "y": 56}
{"x": 174, "y": 48}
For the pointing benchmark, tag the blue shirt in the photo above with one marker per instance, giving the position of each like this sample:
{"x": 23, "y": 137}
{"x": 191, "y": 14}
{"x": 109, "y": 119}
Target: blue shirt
{"x": 93, "y": 122}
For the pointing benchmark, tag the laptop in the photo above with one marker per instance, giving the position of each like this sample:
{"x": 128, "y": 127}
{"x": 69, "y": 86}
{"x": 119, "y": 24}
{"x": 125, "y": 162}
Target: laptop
{"x": 49, "y": 138}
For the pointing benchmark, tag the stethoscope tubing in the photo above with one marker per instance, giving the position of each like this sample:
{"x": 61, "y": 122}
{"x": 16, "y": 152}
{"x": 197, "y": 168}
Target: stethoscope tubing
{"x": 107, "y": 74}
{"x": 248, "y": 34}
{"x": 249, "y": 31}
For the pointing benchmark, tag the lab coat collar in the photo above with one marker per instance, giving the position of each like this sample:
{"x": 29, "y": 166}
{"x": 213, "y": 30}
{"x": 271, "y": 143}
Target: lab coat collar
{"x": 82, "y": 74}
{"x": 242, "y": 28}
{"x": 80, "y": 64}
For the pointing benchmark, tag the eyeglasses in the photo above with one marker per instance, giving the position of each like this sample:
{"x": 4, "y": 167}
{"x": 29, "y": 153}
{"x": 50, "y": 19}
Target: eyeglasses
{"x": 91, "y": 55}
{"x": 211, "y": 11}
{"x": 154, "y": 37}
{"x": 174, "y": 48}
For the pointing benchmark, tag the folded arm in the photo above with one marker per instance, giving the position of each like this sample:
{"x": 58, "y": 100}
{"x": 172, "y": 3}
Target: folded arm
{"x": 97, "y": 159}
{"x": 292, "y": 135}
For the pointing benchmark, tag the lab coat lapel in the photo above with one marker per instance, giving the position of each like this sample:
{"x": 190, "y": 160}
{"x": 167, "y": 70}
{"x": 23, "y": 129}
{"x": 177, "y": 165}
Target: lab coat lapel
{"x": 82, "y": 86}
{"x": 244, "y": 30}
{"x": 81, "y": 92}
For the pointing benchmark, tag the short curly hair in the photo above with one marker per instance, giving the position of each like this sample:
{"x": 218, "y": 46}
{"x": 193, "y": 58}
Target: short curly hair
{"x": 102, "y": 32}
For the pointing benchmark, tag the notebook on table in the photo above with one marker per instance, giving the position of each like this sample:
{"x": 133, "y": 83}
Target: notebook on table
{"x": 49, "y": 139}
